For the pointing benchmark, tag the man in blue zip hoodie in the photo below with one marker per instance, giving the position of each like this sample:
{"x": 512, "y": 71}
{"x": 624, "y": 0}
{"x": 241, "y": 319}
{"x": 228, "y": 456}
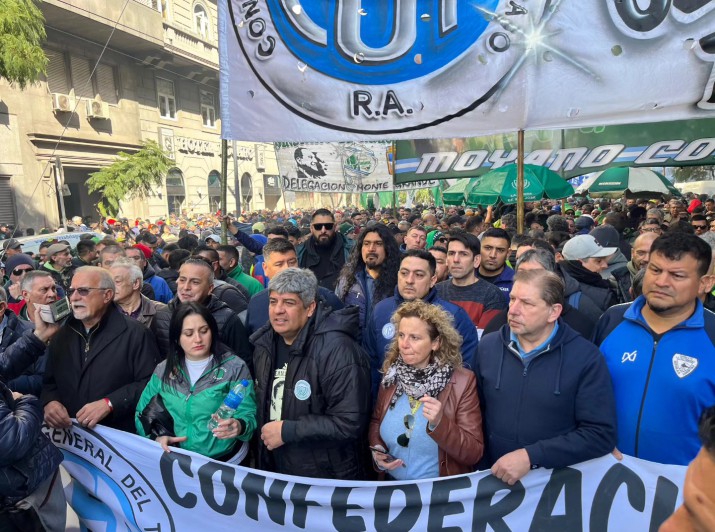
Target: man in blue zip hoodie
{"x": 661, "y": 354}
{"x": 415, "y": 280}
{"x": 545, "y": 392}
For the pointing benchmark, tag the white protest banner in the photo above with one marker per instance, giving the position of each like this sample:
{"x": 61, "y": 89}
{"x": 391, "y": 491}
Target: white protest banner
{"x": 338, "y": 167}
{"x": 123, "y": 481}
{"x": 328, "y": 70}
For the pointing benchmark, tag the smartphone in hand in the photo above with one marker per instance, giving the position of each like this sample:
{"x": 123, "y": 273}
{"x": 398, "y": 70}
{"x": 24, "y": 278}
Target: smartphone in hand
{"x": 388, "y": 457}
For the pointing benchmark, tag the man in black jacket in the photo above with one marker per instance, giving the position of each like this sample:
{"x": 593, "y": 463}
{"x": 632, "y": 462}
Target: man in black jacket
{"x": 312, "y": 384}
{"x": 326, "y": 251}
{"x": 27, "y": 457}
{"x": 99, "y": 361}
{"x": 196, "y": 283}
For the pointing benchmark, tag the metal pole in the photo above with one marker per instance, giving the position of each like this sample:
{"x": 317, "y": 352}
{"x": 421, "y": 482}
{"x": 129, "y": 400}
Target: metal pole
{"x": 224, "y": 188}
{"x": 520, "y": 183}
{"x": 236, "y": 181}
{"x": 59, "y": 178}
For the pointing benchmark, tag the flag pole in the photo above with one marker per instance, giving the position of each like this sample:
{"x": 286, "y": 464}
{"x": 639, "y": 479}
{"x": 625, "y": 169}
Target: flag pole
{"x": 224, "y": 189}
{"x": 520, "y": 183}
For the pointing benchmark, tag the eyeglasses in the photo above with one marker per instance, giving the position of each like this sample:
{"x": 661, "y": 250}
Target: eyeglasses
{"x": 83, "y": 292}
{"x": 651, "y": 230}
{"x": 20, "y": 271}
{"x": 699, "y": 227}
{"x": 319, "y": 227}
{"x": 403, "y": 440}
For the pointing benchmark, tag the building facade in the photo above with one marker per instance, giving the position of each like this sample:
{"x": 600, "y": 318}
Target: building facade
{"x": 121, "y": 73}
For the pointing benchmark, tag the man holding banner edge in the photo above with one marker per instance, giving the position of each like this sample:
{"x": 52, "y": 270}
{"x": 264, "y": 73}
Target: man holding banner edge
{"x": 545, "y": 392}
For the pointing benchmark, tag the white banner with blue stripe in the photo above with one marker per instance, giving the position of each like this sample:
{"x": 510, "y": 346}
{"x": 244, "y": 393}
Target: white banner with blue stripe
{"x": 331, "y": 70}
{"x": 123, "y": 482}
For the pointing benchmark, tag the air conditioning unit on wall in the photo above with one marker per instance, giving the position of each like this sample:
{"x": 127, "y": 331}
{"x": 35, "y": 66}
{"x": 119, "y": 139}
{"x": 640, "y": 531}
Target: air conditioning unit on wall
{"x": 97, "y": 109}
{"x": 61, "y": 102}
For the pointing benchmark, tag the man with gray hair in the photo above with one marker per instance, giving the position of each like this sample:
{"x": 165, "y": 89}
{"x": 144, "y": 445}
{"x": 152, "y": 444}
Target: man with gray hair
{"x": 545, "y": 391}
{"x": 99, "y": 361}
{"x": 128, "y": 279}
{"x": 312, "y": 383}
{"x": 22, "y": 348}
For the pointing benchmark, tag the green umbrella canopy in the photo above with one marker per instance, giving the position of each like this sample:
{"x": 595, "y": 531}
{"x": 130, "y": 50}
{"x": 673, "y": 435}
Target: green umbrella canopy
{"x": 457, "y": 193}
{"x": 500, "y": 184}
{"x": 615, "y": 182}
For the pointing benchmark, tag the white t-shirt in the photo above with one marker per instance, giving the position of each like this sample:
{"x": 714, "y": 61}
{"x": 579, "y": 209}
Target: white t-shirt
{"x": 196, "y": 368}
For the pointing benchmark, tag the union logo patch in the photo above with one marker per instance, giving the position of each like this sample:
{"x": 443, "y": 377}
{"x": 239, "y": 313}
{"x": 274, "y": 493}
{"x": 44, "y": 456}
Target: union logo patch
{"x": 684, "y": 365}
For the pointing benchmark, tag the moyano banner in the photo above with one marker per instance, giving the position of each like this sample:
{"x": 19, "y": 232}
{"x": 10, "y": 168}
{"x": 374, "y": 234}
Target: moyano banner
{"x": 571, "y": 152}
{"x": 122, "y": 481}
{"x": 330, "y": 70}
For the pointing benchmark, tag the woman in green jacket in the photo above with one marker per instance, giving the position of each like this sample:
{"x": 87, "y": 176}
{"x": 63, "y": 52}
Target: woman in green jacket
{"x": 191, "y": 384}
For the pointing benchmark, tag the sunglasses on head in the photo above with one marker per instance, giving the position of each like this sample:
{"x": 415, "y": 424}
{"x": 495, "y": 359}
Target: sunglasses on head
{"x": 20, "y": 271}
{"x": 319, "y": 227}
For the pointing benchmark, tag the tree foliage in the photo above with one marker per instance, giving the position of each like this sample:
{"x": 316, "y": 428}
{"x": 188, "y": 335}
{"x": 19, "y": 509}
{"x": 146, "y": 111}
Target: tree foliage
{"x": 135, "y": 175}
{"x": 684, "y": 174}
{"x": 22, "y": 32}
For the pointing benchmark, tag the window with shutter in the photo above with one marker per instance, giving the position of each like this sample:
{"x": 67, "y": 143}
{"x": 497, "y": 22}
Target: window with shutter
{"x": 7, "y": 202}
{"x": 106, "y": 85}
{"x": 82, "y": 85}
{"x": 57, "y": 72}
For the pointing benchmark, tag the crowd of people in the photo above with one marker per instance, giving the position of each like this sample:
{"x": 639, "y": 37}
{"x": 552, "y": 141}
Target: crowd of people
{"x": 391, "y": 344}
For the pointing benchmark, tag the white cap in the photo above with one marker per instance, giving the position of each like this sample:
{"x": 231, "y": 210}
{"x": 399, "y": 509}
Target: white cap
{"x": 585, "y": 247}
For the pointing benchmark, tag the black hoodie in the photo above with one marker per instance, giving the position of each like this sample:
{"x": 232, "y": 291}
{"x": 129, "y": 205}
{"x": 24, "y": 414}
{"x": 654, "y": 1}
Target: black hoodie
{"x": 559, "y": 407}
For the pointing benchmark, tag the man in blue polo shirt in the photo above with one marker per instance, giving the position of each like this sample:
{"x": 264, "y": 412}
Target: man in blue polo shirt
{"x": 661, "y": 354}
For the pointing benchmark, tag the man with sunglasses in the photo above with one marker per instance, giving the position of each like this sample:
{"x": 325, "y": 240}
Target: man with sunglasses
{"x": 99, "y": 361}
{"x": 700, "y": 224}
{"x": 326, "y": 251}
{"x": 15, "y": 268}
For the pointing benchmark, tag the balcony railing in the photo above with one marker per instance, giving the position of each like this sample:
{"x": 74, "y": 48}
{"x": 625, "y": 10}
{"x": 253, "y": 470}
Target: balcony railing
{"x": 186, "y": 42}
{"x": 154, "y": 4}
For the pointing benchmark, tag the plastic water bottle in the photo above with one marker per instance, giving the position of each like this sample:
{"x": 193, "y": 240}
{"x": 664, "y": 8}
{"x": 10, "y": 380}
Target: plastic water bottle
{"x": 230, "y": 404}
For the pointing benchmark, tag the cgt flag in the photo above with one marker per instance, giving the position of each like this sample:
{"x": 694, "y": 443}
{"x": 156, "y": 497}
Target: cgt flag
{"x": 330, "y": 70}
{"x": 122, "y": 481}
